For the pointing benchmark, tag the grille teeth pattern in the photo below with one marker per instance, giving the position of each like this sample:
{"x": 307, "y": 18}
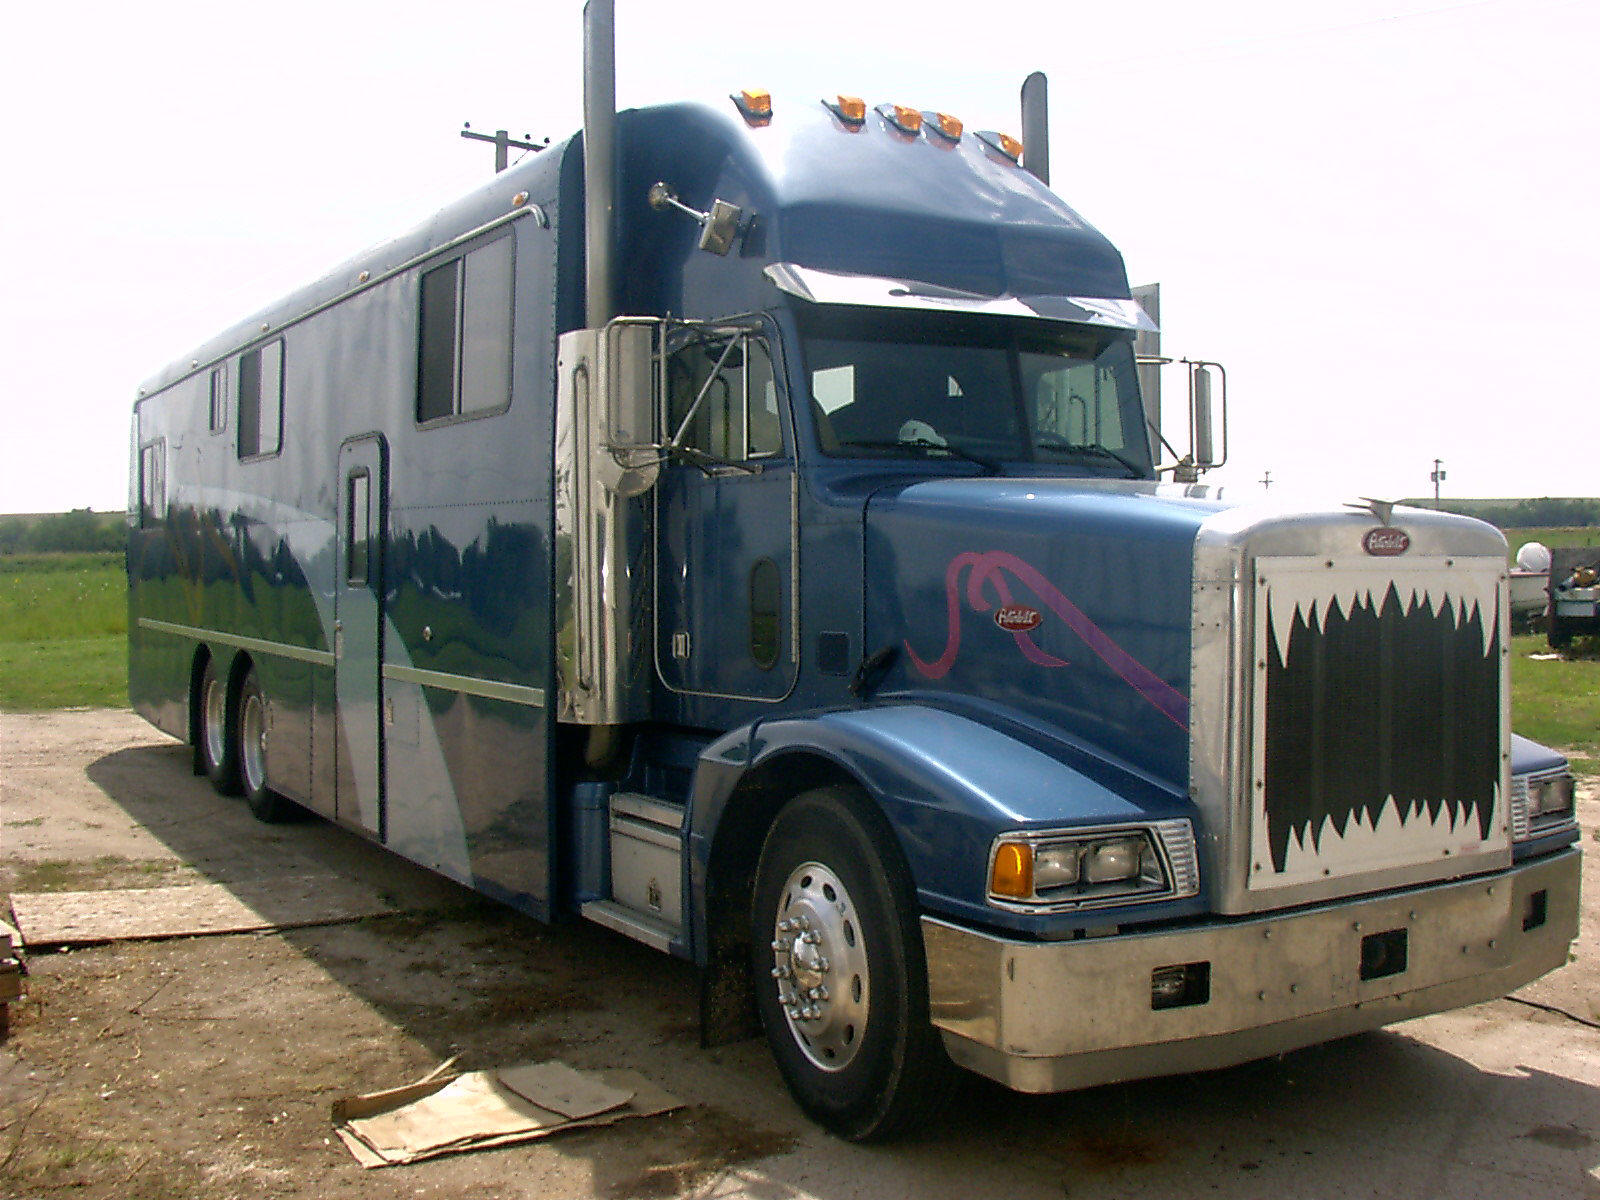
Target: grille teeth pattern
{"x": 1372, "y": 700}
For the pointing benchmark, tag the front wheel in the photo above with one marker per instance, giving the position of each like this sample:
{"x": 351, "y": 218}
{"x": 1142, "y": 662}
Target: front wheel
{"x": 840, "y": 979}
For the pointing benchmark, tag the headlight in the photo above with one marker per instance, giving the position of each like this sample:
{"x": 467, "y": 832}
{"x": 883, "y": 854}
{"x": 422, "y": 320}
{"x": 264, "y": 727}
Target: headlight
{"x": 1085, "y": 868}
{"x": 1553, "y": 797}
{"x": 1541, "y": 801}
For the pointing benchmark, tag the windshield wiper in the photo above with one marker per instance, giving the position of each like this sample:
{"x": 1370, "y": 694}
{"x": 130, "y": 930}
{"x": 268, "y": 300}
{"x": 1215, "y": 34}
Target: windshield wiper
{"x": 921, "y": 443}
{"x": 1092, "y": 450}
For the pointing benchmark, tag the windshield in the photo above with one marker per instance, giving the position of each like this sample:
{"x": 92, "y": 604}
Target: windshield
{"x": 985, "y": 390}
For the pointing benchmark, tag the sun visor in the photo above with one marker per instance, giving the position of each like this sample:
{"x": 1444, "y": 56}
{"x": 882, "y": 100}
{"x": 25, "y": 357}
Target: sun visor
{"x": 831, "y": 287}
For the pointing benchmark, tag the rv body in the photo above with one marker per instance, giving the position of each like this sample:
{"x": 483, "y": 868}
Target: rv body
{"x": 837, "y": 566}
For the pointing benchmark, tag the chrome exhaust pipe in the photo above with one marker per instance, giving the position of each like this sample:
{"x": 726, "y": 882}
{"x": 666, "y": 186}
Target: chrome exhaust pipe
{"x": 599, "y": 158}
{"x": 1036, "y": 127}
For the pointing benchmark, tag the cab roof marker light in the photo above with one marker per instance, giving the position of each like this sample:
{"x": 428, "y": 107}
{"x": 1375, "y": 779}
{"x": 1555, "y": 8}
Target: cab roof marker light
{"x": 947, "y": 127}
{"x": 754, "y": 105}
{"x": 851, "y": 110}
{"x": 1004, "y": 143}
{"x": 906, "y": 120}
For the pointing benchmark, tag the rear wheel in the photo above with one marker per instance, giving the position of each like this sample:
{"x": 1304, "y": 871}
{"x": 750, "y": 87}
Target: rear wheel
{"x": 251, "y": 754}
{"x": 214, "y": 742}
{"x": 840, "y": 979}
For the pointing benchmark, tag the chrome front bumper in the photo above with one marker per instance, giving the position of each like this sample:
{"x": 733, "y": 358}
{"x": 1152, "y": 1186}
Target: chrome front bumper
{"x": 1052, "y": 1016}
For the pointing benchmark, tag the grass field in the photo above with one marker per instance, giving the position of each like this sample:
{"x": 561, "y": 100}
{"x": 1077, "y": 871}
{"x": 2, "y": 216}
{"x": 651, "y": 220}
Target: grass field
{"x": 63, "y": 643}
{"x": 1557, "y": 700}
{"x": 63, "y": 631}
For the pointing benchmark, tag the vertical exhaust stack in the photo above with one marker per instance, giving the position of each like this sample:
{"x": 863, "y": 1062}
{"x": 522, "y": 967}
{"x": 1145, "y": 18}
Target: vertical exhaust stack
{"x": 1036, "y": 127}
{"x": 599, "y": 157}
{"x": 596, "y": 601}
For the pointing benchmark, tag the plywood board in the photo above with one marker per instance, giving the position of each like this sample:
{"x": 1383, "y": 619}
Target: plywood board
{"x": 81, "y": 918}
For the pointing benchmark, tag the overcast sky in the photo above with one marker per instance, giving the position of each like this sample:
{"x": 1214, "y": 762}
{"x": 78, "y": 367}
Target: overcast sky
{"x": 1378, "y": 214}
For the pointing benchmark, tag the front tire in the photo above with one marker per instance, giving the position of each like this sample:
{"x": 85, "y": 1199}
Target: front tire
{"x": 251, "y": 753}
{"x": 840, "y": 980}
{"x": 214, "y": 740}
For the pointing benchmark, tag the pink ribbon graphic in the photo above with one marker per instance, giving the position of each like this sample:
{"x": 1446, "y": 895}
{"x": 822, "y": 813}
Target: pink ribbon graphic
{"x": 988, "y": 570}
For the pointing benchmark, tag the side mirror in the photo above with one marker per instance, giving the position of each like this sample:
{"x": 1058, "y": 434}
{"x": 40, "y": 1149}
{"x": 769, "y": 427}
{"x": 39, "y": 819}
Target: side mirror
{"x": 718, "y": 228}
{"x": 1202, "y": 417}
{"x": 1200, "y": 406}
{"x": 627, "y": 459}
{"x": 605, "y": 405}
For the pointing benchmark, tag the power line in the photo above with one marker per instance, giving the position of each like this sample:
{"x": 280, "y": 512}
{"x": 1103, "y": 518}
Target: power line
{"x": 502, "y": 144}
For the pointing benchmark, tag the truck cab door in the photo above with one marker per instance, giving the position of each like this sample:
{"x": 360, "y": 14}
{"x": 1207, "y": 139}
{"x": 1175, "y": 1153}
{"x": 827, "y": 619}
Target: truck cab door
{"x": 725, "y": 514}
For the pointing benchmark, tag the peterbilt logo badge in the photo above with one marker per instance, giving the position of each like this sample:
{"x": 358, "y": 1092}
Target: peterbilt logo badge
{"x": 1017, "y": 618}
{"x": 1386, "y": 542}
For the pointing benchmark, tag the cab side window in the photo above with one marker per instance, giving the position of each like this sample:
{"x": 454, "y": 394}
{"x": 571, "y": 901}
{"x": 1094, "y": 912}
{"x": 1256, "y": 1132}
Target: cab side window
{"x": 1076, "y": 402}
{"x": 722, "y": 398}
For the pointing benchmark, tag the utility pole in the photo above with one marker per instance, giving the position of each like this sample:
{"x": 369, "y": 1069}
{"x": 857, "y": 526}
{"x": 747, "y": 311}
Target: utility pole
{"x": 1266, "y": 481}
{"x": 1438, "y": 478}
{"x": 502, "y": 144}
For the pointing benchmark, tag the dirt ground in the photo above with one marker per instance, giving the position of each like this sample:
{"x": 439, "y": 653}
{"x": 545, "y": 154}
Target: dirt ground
{"x": 206, "y": 1066}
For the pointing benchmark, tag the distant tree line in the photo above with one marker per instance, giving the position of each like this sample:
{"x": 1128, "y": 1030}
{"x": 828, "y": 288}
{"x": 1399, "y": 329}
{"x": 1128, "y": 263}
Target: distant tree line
{"x": 80, "y": 531}
{"x": 1524, "y": 514}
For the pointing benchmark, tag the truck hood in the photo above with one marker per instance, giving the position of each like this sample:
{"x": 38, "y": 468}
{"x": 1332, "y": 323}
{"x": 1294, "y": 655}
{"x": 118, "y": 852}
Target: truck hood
{"x": 1063, "y": 603}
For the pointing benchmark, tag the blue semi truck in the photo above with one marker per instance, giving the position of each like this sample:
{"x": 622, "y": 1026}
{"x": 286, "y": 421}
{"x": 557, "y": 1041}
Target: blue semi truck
{"x": 740, "y": 526}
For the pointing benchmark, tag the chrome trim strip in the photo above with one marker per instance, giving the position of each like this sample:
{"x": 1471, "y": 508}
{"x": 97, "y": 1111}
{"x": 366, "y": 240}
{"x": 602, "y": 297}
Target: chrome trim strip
{"x": 320, "y": 658}
{"x": 491, "y": 689}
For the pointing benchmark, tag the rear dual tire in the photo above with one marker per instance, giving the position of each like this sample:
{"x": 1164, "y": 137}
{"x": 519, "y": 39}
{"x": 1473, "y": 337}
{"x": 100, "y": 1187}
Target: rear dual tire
{"x": 216, "y": 748}
{"x": 231, "y": 741}
{"x": 250, "y": 723}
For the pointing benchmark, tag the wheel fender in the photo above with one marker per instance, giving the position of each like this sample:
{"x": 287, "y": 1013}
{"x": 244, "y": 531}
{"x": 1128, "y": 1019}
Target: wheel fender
{"x": 946, "y": 783}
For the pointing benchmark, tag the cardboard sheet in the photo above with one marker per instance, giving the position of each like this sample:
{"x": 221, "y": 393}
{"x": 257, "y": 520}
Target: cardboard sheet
{"x": 457, "y": 1112}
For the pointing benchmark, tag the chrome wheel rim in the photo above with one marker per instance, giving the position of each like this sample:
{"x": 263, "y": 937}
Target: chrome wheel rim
{"x": 820, "y": 966}
{"x": 253, "y": 742}
{"x": 215, "y": 709}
